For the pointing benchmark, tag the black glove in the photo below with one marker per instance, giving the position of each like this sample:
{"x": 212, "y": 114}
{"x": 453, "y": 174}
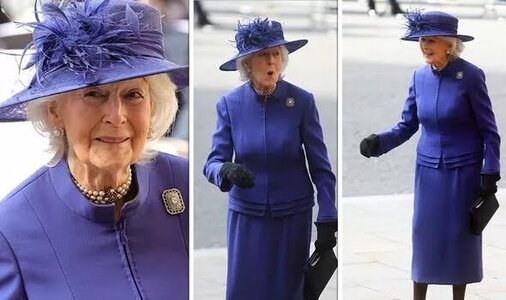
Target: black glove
{"x": 325, "y": 236}
{"x": 370, "y": 146}
{"x": 488, "y": 184}
{"x": 238, "y": 174}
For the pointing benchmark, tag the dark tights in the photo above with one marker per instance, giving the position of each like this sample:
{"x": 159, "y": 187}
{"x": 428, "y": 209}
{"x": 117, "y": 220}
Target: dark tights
{"x": 420, "y": 291}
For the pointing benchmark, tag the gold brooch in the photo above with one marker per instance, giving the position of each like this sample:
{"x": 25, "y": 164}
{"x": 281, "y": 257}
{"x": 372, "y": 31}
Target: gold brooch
{"x": 173, "y": 201}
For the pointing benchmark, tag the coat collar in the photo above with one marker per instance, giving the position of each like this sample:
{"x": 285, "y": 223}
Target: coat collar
{"x": 452, "y": 67}
{"x": 279, "y": 92}
{"x": 75, "y": 201}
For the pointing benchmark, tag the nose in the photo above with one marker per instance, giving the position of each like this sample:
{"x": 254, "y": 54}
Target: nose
{"x": 270, "y": 58}
{"x": 114, "y": 111}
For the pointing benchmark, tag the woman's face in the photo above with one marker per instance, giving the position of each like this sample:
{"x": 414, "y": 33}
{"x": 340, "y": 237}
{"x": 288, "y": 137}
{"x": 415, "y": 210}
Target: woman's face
{"x": 106, "y": 126}
{"x": 265, "y": 67}
{"x": 434, "y": 50}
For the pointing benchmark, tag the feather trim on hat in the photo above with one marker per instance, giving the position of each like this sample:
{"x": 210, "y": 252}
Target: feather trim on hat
{"x": 415, "y": 22}
{"x": 83, "y": 37}
{"x": 256, "y": 33}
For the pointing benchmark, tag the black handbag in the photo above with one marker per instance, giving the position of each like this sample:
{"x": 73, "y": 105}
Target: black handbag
{"x": 482, "y": 211}
{"x": 318, "y": 271}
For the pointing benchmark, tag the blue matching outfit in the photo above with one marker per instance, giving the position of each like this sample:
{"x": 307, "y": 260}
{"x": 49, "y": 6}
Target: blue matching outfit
{"x": 269, "y": 225}
{"x": 56, "y": 244}
{"x": 459, "y": 141}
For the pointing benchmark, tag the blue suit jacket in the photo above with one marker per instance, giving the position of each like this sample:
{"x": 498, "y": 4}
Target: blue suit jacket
{"x": 56, "y": 244}
{"x": 273, "y": 138}
{"x": 458, "y": 124}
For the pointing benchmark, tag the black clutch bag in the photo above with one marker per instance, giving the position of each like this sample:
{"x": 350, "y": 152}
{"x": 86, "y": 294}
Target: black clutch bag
{"x": 319, "y": 270}
{"x": 482, "y": 211}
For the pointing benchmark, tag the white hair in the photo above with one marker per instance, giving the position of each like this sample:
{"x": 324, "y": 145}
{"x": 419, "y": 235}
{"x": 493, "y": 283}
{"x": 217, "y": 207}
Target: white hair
{"x": 246, "y": 75}
{"x": 163, "y": 112}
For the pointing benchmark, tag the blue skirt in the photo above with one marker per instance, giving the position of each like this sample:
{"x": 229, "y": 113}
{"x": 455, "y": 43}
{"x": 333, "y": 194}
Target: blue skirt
{"x": 444, "y": 250}
{"x": 267, "y": 255}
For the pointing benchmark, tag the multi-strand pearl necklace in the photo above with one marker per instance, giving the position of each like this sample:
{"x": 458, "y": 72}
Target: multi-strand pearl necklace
{"x": 106, "y": 197}
{"x": 264, "y": 93}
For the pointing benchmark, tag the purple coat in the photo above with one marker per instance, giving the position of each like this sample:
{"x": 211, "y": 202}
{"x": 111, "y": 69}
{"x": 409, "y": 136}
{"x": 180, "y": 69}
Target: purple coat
{"x": 458, "y": 124}
{"x": 274, "y": 140}
{"x": 55, "y": 244}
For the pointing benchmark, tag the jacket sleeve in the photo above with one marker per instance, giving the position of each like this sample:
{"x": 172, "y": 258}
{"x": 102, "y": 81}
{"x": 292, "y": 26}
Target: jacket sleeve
{"x": 405, "y": 129}
{"x": 319, "y": 165}
{"x": 222, "y": 148}
{"x": 485, "y": 120}
{"x": 11, "y": 282}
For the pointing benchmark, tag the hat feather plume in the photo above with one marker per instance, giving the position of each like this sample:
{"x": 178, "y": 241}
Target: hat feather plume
{"x": 82, "y": 37}
{"x": 415, "y": 22}
{"x": 257, "y": 33}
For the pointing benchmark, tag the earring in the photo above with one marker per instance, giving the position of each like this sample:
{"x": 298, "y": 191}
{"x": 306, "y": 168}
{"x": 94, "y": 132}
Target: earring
{"x": 448, "y": 52}
{"x": 58, "y": 132}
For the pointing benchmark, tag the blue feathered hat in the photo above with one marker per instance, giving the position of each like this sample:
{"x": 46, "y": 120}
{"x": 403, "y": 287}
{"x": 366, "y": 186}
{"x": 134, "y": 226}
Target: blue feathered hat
{"x": 89, "y": 43}
{"x": 256, "y": 36}
{"x": 432, "y": 23}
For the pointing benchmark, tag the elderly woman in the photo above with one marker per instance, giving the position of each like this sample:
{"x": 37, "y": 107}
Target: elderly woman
{"x": 266, "y": 129}
{"x": 106, "y": 218}
{"x": 457, "y": 154}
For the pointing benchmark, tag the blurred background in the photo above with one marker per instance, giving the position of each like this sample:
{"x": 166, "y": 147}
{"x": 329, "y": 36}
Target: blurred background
{"x": 23, "y": 150}
{"x": 314, "y": 68}
{"x": 378, "y": 192}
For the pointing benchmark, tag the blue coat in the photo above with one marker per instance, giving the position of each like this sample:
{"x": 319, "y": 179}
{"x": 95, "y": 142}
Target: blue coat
{"x": 273, "y": 138}
{"x": 458, "y": 124}
{"x": 55, "y": 244}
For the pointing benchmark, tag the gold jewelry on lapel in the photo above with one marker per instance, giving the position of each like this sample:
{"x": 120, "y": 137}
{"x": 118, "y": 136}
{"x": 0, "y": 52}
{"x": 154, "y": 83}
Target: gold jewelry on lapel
{"x": 459, "y": 75}
{"x": 105, "y": 197}
{"x": 173, "y": 201}
{"x": 290, "y": 102}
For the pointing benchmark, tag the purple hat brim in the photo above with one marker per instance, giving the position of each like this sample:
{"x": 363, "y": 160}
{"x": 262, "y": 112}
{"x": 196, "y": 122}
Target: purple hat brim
{"x": 416, "y": 37}
{"x": 291, "y": 46}
{"x": 65, "y": 80}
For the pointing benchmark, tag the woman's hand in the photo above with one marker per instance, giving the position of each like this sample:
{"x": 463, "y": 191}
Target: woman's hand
{"x": 488, "y": 184}
{"x": 370, "y": 146}
{"x": 238, "y": 174}
{"x": 325, "y": 236}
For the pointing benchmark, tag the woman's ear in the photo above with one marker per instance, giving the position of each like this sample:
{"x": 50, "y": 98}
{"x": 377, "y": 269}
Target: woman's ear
{"x": 450, "y": 48}
{"x": 246, "y": 65}
{"x": 53, "y": 113}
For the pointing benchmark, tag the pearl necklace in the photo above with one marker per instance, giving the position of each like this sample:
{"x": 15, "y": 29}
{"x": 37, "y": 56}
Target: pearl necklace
{"x": 106, "y": 197}
{"x": 264, "y": 93}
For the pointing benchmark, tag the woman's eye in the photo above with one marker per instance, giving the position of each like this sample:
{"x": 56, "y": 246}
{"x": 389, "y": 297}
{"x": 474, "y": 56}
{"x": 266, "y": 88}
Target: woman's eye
{"x": 135, "y": 95}
{"x": 93, "y": 94}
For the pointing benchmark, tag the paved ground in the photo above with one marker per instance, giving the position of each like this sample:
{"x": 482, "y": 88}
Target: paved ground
{"x": 377, "y": 251}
